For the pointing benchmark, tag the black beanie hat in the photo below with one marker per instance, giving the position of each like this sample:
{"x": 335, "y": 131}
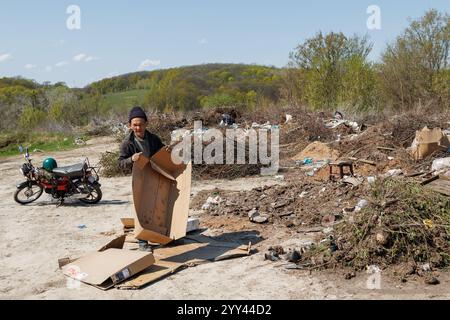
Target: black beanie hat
{"x": 137, "y": 112}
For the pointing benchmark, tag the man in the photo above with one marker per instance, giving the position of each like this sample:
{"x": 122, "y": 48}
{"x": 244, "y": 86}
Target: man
{"x": 139, "y": 142}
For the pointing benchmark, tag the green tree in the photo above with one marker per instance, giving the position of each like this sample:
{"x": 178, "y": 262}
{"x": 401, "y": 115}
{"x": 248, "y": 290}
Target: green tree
{"x": 414, "y": 68}
{"x": 324, "y": 60}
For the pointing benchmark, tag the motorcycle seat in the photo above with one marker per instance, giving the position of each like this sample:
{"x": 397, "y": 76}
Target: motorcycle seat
{"x": 76, "y": 170}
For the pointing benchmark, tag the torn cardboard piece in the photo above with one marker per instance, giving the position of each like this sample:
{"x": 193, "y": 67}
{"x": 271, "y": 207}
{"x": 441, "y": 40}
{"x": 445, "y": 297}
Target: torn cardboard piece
{"x": 161, "y": 194}
{"x": 428, "y": 141}
{"x": 199, "y": 249}
{"x": 107, "y": 267}
{"x": 193, "y": 224}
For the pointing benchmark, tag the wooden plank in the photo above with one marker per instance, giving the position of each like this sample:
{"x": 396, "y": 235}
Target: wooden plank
{"x": 386, "y": 148}
{"x": 441, "y": 186}
{"x": 363, "y": 161}
{"x": 427, "y": 181}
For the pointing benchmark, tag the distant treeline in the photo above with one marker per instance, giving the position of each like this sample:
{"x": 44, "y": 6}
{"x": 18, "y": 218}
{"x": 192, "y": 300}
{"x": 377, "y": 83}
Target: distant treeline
{"x": 325, "y": 72}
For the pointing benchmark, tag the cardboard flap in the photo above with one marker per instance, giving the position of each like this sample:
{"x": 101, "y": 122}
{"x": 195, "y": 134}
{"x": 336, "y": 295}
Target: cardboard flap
{"x": 171, "y": 259}
{"x": 163, "y": 160}
{"x": 114, "y": 244}
{"x": 161, "y": 171}
{"x": 105, "y": 268}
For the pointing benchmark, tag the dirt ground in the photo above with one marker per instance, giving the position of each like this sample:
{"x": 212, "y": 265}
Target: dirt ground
{"x": 34, "y": 237}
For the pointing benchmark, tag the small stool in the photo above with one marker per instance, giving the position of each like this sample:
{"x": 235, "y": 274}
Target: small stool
{"x": 341, "y": 165}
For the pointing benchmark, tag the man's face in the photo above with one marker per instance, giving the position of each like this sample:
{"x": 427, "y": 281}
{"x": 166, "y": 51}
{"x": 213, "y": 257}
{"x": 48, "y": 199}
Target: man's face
{"x": 138, "y": 126}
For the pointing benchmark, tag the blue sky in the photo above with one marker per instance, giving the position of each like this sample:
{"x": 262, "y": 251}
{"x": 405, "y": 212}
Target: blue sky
{"x": 118, "y": 37}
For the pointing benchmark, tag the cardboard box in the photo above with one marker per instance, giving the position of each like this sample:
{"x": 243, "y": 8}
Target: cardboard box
{"x": 161, "y": 194}
{"x": 428, "y": 141}
{"x": 195, "y": 250}
{"x": 107, "y": 267}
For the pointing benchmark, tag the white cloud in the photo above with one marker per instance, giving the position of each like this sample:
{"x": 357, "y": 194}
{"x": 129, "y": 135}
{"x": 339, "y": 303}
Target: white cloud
{"x": 147, "y": 63}
{"x": 5, "y": 56}
{"x": 112, "y": 74}
{"x": 82, "y": 57}
{"x": 203, "y": 41}
{"x": 30, "y": 66}
{"x": 48, "y": 68}
{"x": 61, "y": 64}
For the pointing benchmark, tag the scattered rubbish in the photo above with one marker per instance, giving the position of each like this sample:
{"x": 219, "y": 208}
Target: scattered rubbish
{"x": 386, "y": 148}
{"x": 253, "y": 213}
{"x": 260, "y": 219}
{"x": 303, "y": 194}
{"x": 391, "y": 158}
{"x": 440, "y": 164}
{"x": 372, "y": 269}
{"x": 79, "y": 141}
{"x": 288, "y": 118}
{"x": 82, "y": 226}
{"x": 338, "y": 115}
{"x": 393, "y": 173}
{"x": 307, "y": 161}
{"x": 349, "y": 275}
{"x": 371, "y": 180}
{"x": 210, "y": 202}
{"x": 328, "y": 220}
{"x": 279, "y": 177}
{"x": 293, "y": 256}
{"x": 431, "y": 280}
{"x": 341, "y": 165}
{"x": 273, "y": 253}
{"x": 193, "y": 224}
{"x": 353, "y": 181}
{"x": 363, "y": 161}
{"x": 426, "y": 267}
{"x": 272, "y": 256}
{"x": 361, "y": 205}
{"x": 327, "y": 230}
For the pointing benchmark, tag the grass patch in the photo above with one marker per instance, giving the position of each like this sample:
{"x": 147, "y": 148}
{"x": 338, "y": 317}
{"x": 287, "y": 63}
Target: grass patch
{"x": 122, "y": 101}
{"x": 10, "y": 142}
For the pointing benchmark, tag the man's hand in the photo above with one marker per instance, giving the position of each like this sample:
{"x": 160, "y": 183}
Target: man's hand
{"x": 136, "y": 156}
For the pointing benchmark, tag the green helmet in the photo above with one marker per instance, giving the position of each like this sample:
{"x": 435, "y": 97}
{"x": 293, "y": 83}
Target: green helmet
{"x": 49, "y": 164}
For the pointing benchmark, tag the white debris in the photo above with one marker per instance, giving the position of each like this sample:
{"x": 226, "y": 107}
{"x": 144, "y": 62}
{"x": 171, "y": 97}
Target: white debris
{"x": 441, "y": 164}
{"x": 372, "y": 269}
{"x": 393, "y": 173}
{"x": 211, "y": 202}
{"x": 371, "y": 180}
{"x": 361, "y": 204}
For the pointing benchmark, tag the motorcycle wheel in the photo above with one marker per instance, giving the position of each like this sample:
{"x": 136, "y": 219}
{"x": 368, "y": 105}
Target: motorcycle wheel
{"x": 94, "y": 196}
{"x": 26, "y": 194}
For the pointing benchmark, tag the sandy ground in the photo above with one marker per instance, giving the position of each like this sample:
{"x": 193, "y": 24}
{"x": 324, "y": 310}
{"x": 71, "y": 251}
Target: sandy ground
{"x": 34, "y": 237}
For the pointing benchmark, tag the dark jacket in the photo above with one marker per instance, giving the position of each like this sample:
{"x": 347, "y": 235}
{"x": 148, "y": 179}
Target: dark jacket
{"x": 129, "y": 147}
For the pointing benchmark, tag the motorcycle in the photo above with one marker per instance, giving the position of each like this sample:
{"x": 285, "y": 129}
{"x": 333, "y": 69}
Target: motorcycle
{"x": 79, "y": 180}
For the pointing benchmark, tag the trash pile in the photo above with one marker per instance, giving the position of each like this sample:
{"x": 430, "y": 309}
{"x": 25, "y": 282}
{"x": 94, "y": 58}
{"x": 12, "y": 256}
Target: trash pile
{"x": 402, "y": 223}
{"x": 292, "y": 205}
